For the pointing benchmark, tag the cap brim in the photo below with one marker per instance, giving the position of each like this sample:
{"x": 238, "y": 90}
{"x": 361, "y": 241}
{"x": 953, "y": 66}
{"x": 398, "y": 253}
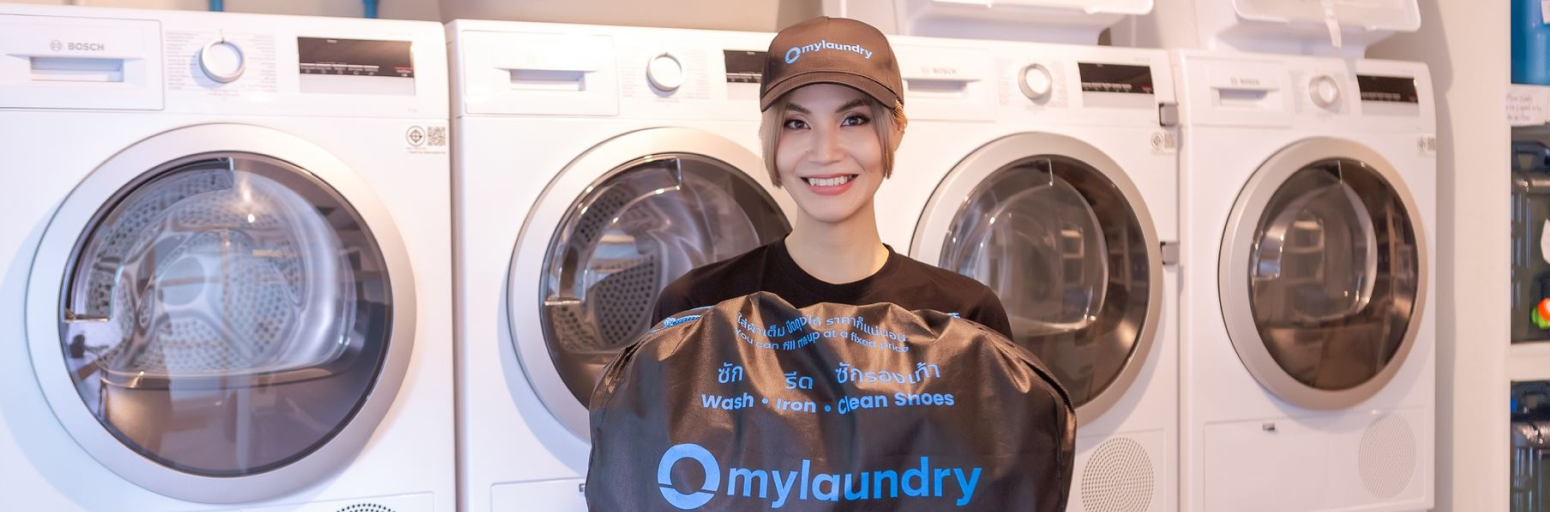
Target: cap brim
{"x": 861, "y": 83}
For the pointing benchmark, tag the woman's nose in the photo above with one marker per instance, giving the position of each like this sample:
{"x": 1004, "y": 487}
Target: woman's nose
{"x": 827, "y": 148}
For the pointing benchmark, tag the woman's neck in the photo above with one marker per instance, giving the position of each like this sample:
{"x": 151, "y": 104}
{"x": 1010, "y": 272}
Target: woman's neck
{"x": 841, "y": 252}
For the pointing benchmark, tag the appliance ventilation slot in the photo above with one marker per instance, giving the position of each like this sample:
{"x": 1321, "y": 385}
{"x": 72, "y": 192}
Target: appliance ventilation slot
{"x": 1118, "y": 478}
{"x": 366, "y": 507}
{"x": 1387, "y": 456}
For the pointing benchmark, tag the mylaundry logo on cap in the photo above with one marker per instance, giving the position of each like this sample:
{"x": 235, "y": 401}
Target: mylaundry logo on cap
{"x": 796, "y": 51}
{"x": 778, "y": 486}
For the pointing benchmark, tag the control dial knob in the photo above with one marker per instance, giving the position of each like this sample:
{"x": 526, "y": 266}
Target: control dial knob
{"x": 1036, "y": 82}
{"x": 1324, "y": 91}
{"x": 222, "y": 61}
{"x": 665, "y": 72}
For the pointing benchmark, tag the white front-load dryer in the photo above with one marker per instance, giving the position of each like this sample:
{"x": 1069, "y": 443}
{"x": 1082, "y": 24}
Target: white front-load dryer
{"x": 227, "y": 253}
{"x": 1308, "y": 202}
{"x": 593, "y": 166}
{"x": 1045, "y": 172}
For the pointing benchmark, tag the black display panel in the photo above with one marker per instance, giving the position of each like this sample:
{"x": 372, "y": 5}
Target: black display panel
{"x": 1116, "y": 78}
{"x": 743, "y": 66}
{"x": 1388, "y": 89}
{"x": 355, "y": 57}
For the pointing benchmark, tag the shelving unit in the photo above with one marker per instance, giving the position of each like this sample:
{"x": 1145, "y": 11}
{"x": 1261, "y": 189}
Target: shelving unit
{"x": 1528, "y": 115}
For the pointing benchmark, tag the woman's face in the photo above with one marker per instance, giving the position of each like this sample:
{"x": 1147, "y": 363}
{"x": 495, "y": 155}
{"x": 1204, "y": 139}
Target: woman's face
{"x": 829, "y": 157}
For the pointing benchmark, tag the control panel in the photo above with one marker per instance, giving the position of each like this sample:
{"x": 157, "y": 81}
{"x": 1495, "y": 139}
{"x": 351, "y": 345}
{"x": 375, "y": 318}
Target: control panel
{"x": 182, "y": 62}
{"x": 1001, "y": 81}
{"x": 1286, "y": 90}
{"x": 1034, "y": 82}
{"x": 545, "y": 69}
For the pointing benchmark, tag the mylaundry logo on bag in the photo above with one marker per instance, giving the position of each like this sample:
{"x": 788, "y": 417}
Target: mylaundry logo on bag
{"x": 698, "y": 454}
{"x": 796, "y": 51}
{"x": 914, "y": 483}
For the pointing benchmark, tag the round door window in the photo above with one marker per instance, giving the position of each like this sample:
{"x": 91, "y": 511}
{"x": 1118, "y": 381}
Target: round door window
{"x": 226, "y": 314}
{"x": 1062, "y": 247}
{"x": 636, "y": 230}
{"x": 1333, "y": 274}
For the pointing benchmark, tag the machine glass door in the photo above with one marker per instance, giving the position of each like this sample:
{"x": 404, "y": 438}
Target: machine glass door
{"x": 225, "y": 314}
{"x": 1322, "y": 275}
{"x": 635, "y": 230}
{"x": 1063, "y": 238}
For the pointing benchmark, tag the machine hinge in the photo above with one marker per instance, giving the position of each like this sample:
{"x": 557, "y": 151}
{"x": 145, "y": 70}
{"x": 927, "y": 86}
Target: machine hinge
{"x": 1168, "y": 114}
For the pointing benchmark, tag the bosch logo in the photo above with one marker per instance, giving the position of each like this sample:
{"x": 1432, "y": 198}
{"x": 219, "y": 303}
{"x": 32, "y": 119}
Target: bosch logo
{"x": 706, "y": 461}
{"x": 57, "y": 45}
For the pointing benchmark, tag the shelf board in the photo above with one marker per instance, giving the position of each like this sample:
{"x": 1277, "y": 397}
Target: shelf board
{"x": 1528, "y": 362}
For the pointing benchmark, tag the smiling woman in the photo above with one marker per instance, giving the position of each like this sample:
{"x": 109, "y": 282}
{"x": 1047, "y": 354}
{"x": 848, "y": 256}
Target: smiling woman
{"x": 888, "y": 123}
{"x": 822, "y": 140}
{"x": 833, "y": 117}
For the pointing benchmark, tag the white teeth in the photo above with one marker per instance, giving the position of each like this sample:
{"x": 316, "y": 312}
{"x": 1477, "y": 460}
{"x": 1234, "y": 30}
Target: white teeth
{"x": 828, "y": 182}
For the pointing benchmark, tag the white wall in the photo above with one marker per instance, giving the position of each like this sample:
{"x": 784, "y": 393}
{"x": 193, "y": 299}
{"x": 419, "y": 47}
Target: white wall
{"x": 1466, "y": 45}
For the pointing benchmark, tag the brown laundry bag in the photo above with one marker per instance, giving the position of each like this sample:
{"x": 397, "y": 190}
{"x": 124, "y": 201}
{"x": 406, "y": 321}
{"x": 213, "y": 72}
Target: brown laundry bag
{"x": 753, "y": 404}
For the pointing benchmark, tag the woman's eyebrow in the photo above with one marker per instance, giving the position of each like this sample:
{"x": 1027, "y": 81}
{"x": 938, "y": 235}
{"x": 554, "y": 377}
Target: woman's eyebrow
{"x": 858, "y": 102}
{"x": 798, "y": 108}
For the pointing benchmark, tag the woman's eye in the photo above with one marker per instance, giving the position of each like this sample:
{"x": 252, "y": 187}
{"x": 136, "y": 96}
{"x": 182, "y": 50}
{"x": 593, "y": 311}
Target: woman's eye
{"x": 855, "y": 120}
{"x": 795, "y": 124}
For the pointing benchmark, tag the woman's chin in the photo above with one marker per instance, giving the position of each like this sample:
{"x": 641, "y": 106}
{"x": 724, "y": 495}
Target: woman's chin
{"x": 831, "y": 213}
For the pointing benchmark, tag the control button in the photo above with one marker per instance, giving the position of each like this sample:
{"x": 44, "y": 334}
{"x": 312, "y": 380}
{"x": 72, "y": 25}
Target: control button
{"x": 1324, "y": 90}
{"x": 1036, "y": 82}
{"x": 665, "y": 72}
{"x": 222, "y": 61}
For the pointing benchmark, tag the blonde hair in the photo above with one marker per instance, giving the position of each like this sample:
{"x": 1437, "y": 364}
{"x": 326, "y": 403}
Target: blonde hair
{"x": 889, "y": 123}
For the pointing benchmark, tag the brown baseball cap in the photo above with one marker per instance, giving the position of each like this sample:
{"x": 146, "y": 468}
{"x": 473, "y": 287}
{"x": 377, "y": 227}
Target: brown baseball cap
{"x": 835, "y": 51}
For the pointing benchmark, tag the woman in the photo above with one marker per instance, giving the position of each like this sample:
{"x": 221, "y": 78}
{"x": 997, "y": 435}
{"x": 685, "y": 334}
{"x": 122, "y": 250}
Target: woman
{"x": 833, "y": 116}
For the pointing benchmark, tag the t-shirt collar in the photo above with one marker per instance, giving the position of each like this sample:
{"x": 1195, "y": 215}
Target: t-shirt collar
{"x": 842, "y": 292}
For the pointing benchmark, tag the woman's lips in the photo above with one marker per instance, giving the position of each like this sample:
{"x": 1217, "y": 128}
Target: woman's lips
{"x": 830, "y": 185}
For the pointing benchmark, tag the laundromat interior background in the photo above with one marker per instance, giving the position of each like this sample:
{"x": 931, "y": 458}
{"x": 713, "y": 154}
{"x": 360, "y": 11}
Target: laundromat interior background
{"x": 1458, "y": 428}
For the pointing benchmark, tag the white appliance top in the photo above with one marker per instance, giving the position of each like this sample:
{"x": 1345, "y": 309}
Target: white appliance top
{"x": 1310, "y": 27}
{"x": 1048, "y": 21}
{"x": 201, "y": 62}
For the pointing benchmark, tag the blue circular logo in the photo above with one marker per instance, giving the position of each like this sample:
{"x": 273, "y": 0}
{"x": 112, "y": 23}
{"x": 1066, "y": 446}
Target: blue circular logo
{"x": 793, "y": 54}
{"x": 698, "y": 454}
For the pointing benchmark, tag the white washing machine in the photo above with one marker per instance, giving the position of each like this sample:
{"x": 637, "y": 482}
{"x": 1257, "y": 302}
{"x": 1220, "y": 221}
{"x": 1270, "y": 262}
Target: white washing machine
{"x": 593, "y": 165}
{"x": 1308, "y": 198}
{"x": 228, "y": 273}
{"x": 1045, "y": 171}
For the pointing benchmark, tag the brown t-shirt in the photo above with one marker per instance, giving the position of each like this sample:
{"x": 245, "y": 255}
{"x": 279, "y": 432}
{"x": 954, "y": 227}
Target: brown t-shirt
{"x": 903, "y": 281}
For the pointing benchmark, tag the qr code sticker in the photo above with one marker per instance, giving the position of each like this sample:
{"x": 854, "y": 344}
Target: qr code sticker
{"x": 437, "y": 135}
